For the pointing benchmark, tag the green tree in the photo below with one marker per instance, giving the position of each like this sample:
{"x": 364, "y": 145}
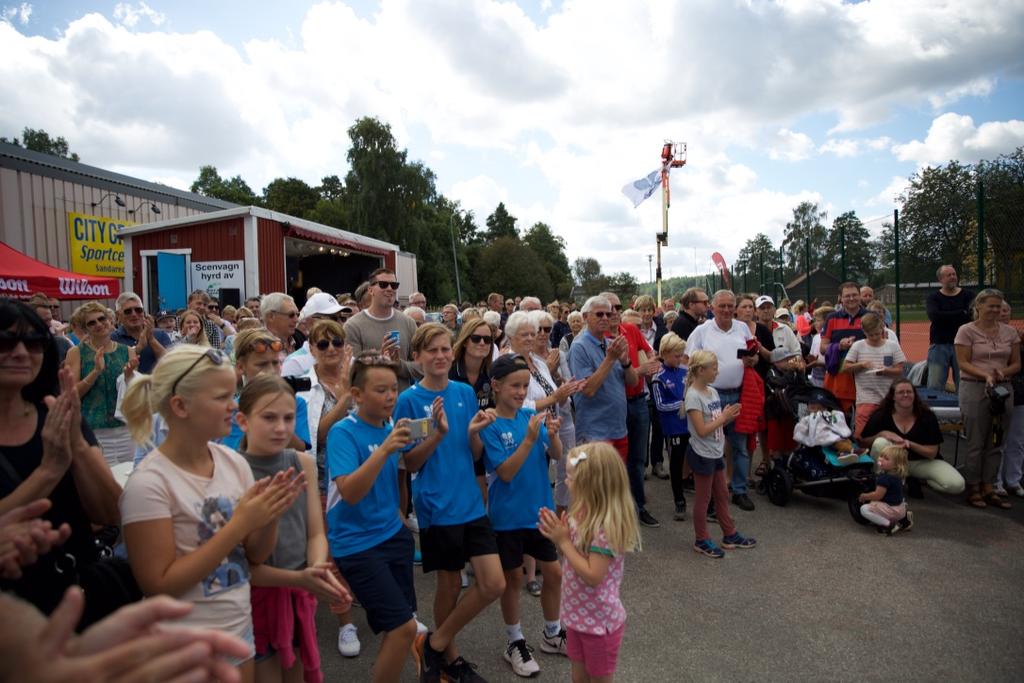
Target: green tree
{"x": 508, "y": 266}
{"x": 501, "y": 224}
{"x": 1002, "y": 183}
{"x": 385, "y": 194}
{"x": 623, "y": 284}
{"x": 883, "y": 263}
{"x": 857, "y": 241}
{"x": 587, "y": 274}
{"x": 40, "y": 141}
{"x": 291, "y": 196}
{"x": 748, "y": 262}
{"x": 551, "y": 249}
{"x": 937, "y": 222}
{"x": 331, "y": 188}
{"x": 236, "y": 190}
{"x": 807, "y": 223}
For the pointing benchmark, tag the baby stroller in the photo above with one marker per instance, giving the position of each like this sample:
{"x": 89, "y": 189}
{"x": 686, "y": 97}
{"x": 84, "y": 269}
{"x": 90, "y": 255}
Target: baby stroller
{"x": 814, "y": 467}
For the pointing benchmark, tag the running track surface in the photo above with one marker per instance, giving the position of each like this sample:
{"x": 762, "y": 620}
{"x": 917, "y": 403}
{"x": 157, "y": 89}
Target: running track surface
{"x": 914, "y": 338}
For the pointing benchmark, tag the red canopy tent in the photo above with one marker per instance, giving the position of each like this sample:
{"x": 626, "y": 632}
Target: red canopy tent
{"x": 22, "y": 276}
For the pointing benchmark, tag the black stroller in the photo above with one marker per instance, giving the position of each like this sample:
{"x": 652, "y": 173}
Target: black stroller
{"x": 814, "y": 470}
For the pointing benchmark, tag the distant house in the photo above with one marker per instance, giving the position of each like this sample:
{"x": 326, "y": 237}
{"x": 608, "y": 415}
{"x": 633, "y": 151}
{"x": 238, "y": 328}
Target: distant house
{"x": 824, "y": 287}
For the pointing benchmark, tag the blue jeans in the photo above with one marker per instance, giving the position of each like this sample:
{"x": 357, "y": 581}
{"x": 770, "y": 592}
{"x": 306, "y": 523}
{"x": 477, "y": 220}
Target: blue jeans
{"x": 941, "y": 357}
{"x": 740, "y": 457}
{"x": 638, "y": 430}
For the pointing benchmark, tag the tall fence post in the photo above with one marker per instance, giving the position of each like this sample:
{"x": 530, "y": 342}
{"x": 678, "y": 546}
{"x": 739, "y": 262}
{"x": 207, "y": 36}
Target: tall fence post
{"x": 761, "y": 288}
{"x": 807, "y": 268}
{"x": 896, "y": 263}
{"x": 781, "y": 266}
{"x": 981, "y": 236}
{"x": 745, "y": 289}
{"x": 842, "y": 251}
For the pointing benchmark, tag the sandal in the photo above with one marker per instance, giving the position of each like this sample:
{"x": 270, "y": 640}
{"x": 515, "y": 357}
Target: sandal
{"x": 995, "y": 500}
{"x": 975, "y": 499}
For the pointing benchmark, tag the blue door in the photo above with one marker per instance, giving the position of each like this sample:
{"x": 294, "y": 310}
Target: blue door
{"x": 171, "y": 281}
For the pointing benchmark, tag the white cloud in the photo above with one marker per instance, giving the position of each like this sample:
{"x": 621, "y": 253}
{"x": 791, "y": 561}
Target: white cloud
{"x": 579, "y": 102}
{"x": 790, "y": 146}
{"x": 886, "y": 199}
{"x": 130, "y": 15}
{"x": 952, "y": 136}
{"x": 20, "y": 13}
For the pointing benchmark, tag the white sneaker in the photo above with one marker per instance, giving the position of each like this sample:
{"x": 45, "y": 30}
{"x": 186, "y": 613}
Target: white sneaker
{"x": 413, "y": 523}
{"x": 554, "y": 645}
{"x": 1017, "y": 490}
{"x": 999, "y": 490}
{"x": 348, "y": 641}
{"x": 520, "y": 656}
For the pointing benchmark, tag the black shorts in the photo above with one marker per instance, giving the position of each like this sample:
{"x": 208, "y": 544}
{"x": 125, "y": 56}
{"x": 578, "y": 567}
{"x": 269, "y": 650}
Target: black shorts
{"x": 449, "y": 547}
{"x": 478, "y": 467}
{"x": 381, "y": 580}
{"x": 702, "y": 466}
{"x": 512, "y": 545}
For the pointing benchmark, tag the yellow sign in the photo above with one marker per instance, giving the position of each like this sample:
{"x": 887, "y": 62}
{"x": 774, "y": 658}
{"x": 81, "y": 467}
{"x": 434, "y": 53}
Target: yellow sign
{"x": 96, "y": 247}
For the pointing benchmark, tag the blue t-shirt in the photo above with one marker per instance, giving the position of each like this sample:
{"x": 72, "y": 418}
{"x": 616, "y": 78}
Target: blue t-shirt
{"x": 444, "y": 490}
{"x": 515, "y": 504}
{"x": 669, "y": 389}
{"x": 601, "y": 417}
{"x": 374, "y": 519}
{"x": 234, "y": 439}
{"x": 893, "y": 488}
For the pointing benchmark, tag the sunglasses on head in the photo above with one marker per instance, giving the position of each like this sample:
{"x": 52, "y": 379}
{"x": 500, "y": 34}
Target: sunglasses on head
{"x": 136, "y": 310}
{"x": 481, "y": 339}
{"x": 214, "y": 356}
{"x": 264, "y": 345}
{"x": 34, "y": 343}
{"x": 336, "y": 342}
{"x": 384, "y": 285}
{"x": 96, "y": 321}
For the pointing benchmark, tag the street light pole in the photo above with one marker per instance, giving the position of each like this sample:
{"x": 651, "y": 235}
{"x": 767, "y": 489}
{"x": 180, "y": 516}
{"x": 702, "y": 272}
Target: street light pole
{"x": 649, "y": 267}
{"x": 455, "y": 257}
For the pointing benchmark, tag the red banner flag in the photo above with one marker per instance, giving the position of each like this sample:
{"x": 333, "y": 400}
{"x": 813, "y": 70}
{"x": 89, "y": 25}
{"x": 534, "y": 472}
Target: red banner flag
{"x": 723, "y": 269}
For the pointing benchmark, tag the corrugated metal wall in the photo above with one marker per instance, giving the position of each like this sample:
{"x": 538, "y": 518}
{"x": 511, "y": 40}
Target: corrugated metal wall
{"x": 271, "y": 255}
{"x": 34, "y": 209}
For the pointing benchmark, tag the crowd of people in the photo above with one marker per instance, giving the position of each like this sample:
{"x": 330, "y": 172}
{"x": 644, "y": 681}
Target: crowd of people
{"x": 270, "y": 448}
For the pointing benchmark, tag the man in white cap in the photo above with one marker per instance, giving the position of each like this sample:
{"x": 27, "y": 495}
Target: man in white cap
{"x": 320, "y": 306}
{"x": 782, "y": 335}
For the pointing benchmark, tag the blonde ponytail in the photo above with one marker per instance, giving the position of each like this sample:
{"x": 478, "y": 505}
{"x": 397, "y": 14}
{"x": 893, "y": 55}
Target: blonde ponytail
{"x": 138, "y": 414}
{"x": 181, "y": 366}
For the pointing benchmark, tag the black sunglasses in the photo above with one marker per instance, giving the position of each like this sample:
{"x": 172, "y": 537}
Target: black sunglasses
{"x": 34, "y": 343}
{"x": 215, "y": 357}
{"x": 384, "y": 285}
{"x": 601, "y": 314}
{"x": 336, "y": 342}
{"x": 96, "y": 321}
{"x": 212, "y": 307}
{"x": 546, "y": 330}
{"x": 617, "y": 307}
{"x": 136, "y": 309}
{"x": 481, "y": 339}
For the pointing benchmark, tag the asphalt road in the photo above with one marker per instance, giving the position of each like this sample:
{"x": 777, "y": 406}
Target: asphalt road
{"x": 820, "y": 598}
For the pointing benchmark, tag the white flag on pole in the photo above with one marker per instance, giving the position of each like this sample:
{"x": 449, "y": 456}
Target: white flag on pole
{"x": 639, "y": 190}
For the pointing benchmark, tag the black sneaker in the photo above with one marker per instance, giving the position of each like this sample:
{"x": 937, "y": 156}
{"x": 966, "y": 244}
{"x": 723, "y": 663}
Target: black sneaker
{"x": 429, "y": 662}
{"x": 742, "y": 501}
{"x": 647, "y": 519}
{"x": 907, "y": 523}
{"x": 680, "y": 513}
{"x": 461, "y": 671}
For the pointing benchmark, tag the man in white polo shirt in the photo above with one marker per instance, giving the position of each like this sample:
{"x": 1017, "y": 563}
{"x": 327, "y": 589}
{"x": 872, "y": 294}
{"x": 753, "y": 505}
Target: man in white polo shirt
{"x": 727, "y": 338}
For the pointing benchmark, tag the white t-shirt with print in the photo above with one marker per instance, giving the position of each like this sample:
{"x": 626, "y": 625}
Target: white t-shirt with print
{"x": 198, "y": 507}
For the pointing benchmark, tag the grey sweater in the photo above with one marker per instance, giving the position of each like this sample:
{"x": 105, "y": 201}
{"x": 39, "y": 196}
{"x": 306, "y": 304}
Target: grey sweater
{"x": 364, "y": 333}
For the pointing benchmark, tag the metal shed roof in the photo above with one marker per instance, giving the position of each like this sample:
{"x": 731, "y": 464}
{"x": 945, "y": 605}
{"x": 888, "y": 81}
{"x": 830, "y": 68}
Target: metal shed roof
{"x": 21, "y": 159}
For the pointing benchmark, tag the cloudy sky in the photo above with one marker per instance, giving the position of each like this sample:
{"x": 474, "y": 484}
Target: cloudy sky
{"x": 548, "y": 106}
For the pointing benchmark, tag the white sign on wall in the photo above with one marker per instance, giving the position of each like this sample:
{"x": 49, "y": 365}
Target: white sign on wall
{"x": 213, "y": 276}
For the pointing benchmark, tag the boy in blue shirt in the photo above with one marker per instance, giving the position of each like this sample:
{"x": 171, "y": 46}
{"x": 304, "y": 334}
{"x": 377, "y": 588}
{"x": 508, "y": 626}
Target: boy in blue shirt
{"x": 517, "y": 446}
{"x": 371, "y": 546}
{"x": 454, "y": 528}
